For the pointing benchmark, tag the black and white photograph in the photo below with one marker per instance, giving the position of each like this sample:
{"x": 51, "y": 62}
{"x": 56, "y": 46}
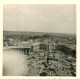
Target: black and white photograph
{"x": 39, "y": 40}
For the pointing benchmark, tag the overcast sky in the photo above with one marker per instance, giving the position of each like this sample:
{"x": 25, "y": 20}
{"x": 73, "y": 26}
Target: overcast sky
{"x": 39, "y": 18}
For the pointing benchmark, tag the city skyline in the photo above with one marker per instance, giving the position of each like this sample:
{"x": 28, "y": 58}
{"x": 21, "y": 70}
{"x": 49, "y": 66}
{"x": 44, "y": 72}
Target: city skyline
{"x": 39, "y": 18}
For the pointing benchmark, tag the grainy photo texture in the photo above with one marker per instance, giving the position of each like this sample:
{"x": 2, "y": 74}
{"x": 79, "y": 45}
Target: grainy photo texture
{"x": 39, "y": 40}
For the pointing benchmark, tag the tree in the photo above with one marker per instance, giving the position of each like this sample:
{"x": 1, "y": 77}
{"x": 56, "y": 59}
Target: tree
{"x": 46, "y": 36}
{"x": 56, "y": 41}
{"x": 43, "y": 74}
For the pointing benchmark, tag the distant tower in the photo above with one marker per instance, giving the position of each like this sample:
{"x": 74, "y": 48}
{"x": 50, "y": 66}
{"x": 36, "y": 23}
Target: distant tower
{"x": 54, "y": 45}
{"x": 48, "y": 52}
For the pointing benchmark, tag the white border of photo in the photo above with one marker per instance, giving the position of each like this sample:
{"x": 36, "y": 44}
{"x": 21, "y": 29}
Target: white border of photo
{"x": 41, "y": 2}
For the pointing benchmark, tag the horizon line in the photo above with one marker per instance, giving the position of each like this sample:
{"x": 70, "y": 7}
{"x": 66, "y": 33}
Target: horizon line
{"x": 37, "y": 31}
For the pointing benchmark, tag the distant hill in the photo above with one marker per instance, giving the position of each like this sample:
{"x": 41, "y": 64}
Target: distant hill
{"x": 62, "y": 35}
